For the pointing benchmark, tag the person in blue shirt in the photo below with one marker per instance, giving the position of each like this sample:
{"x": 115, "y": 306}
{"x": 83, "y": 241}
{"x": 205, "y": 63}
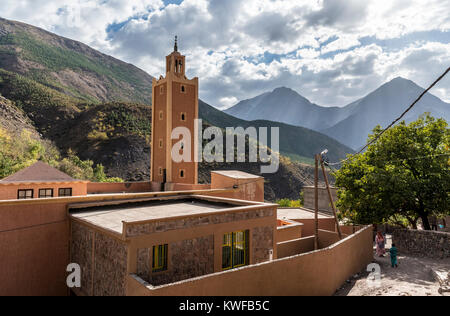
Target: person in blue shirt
{"x": 393, "y": 252}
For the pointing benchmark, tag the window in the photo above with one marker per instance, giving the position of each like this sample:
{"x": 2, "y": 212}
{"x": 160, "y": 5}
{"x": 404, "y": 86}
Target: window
{"x": 183, "y": 116}
{"x": 160, "y": 258}
{"x": 161, "y": 90}
{"x": 45, "y": 193}
{"x": 65, "y": 192}
{"x": 161, "y": 115}
{"x": 160, "y": 143}
{"x": 160, "y": 171}
{"x": 182, "y": 173}
{"x": 183, "y": 89}
{"x": 25, "y": 194}
{"x": 235, "y": 250}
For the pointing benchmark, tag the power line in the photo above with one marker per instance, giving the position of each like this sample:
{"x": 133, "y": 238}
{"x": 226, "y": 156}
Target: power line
{"x": 396, "y": 120}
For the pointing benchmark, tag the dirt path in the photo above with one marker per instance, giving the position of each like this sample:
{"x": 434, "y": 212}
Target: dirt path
{"x": 413, "y": 277}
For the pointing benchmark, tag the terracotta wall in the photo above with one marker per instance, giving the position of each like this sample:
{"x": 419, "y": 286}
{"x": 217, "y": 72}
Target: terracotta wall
{"x": 34, "y": 250}
{"x": 309, "y": 225}
{"x": 249, "y": 189}
{"x": 128, "y": 187}
{"x": 159, "y": 131}
{"x": 290, "y": 232}
{"x": 186, "y": 187}
{"x": 315, "y": 273}
{"x": 184, "y": 102}
{"x": 10, "y": 191}
{"x": 294, "y": 247}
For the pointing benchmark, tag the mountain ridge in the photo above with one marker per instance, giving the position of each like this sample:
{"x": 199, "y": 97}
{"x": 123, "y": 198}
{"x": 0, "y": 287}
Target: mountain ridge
{"x": 349, "y": 124}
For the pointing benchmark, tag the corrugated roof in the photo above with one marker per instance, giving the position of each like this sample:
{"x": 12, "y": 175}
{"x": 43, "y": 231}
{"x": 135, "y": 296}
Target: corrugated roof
{"x": 38, "y": 172}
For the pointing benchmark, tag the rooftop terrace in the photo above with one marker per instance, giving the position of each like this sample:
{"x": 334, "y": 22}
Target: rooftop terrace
{"x": 111, "y": 216}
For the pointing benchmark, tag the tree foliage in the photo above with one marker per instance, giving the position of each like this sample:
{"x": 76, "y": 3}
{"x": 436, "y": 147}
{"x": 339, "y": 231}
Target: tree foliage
{"x": 20, "y": 151}
{"x": 403, "y": 175}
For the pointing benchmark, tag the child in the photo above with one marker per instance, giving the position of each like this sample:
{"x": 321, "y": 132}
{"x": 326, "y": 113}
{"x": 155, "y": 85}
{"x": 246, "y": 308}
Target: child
{"x": 393, "y": 251}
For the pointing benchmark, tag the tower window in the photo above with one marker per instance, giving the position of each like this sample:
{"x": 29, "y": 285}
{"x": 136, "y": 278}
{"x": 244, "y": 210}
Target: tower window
{"x": 182, "y": 174}
{"x": 161, "y": 115}
{"x": 183, "y": 89}
{"x": 160, "y": 143}
{"x": 161, "y": 90}
{"x": 183, "y": 116}
{"x": 160, "y": 171}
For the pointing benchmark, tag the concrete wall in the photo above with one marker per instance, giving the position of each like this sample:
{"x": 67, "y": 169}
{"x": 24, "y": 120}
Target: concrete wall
{"x": 316, "y": 273}
{"x": 294, "y": 247}
{"x": 34, "y": 249}
{"x": 422, "y": 243}
{"x": 127, "y": 187}
{"x": 10, "y": 191}
{"x": 324, "y": 200}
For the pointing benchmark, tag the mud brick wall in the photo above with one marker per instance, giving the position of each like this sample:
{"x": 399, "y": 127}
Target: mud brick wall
{"x": 262, "y": 243}
{"x": 110, "y": 259}
{"x": 422, "y": 243}
{"x": 103, "y": 261}
{"x": 187, "y": 259}
{"x": 81, "y": 253}
{"x": 163, "y": 226}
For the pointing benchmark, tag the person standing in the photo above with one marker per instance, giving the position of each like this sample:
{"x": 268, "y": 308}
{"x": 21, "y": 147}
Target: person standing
{"x": 393, "y": 252}
{"x": 380, "y": 243}
{"x": 433, "y": 223}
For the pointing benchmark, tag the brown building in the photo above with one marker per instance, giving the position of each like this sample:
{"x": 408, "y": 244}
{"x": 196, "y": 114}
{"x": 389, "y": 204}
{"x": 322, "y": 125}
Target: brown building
{"x": 40, "y": 181}
{"x": 175, "y": 104}
{"x": 167, "y": 240}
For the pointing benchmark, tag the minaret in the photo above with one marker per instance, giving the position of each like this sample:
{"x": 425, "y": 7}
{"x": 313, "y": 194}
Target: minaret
{"x": 174, "y": 104}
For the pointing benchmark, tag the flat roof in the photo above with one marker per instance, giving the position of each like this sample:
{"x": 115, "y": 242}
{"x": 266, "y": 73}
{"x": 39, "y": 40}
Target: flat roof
{"x": 111, "y": 216}
{"x": 298, "y": 213}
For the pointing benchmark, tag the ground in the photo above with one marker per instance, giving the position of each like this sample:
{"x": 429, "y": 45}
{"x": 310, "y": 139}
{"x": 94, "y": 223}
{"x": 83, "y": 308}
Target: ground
{"x": 413, "y": 277}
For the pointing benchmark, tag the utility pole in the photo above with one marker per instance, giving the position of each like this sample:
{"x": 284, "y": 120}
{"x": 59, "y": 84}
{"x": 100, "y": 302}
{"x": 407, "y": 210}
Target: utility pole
{"x": 316, "y": 203}
{"x": 331, "y": 197}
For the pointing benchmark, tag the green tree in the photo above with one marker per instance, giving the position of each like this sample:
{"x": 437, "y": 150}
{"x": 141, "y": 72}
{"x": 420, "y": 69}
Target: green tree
{"x": 404, "y": 175}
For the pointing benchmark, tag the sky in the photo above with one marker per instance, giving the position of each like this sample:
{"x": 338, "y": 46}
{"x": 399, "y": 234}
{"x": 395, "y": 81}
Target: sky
{"x": 332, "y": 52}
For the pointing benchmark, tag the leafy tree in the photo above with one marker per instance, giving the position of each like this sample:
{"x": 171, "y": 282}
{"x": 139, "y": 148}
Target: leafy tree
{"x": 404, "y": 175}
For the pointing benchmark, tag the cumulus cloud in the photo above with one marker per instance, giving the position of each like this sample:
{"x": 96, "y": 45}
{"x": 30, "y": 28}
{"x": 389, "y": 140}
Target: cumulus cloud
{"x": 240, "y": 48}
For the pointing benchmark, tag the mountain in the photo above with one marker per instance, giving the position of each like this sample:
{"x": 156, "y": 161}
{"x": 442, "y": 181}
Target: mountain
{"x": 350, "y": 124}
{"x": 381, "y": 107}
{"x": 295, "y": 142}
{"x": 69, "y": 66}
{"x": 287, "y": 106}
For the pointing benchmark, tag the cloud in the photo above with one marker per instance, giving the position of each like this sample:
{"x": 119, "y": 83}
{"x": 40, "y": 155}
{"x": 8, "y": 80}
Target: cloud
{"x": 240, "y": 48}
